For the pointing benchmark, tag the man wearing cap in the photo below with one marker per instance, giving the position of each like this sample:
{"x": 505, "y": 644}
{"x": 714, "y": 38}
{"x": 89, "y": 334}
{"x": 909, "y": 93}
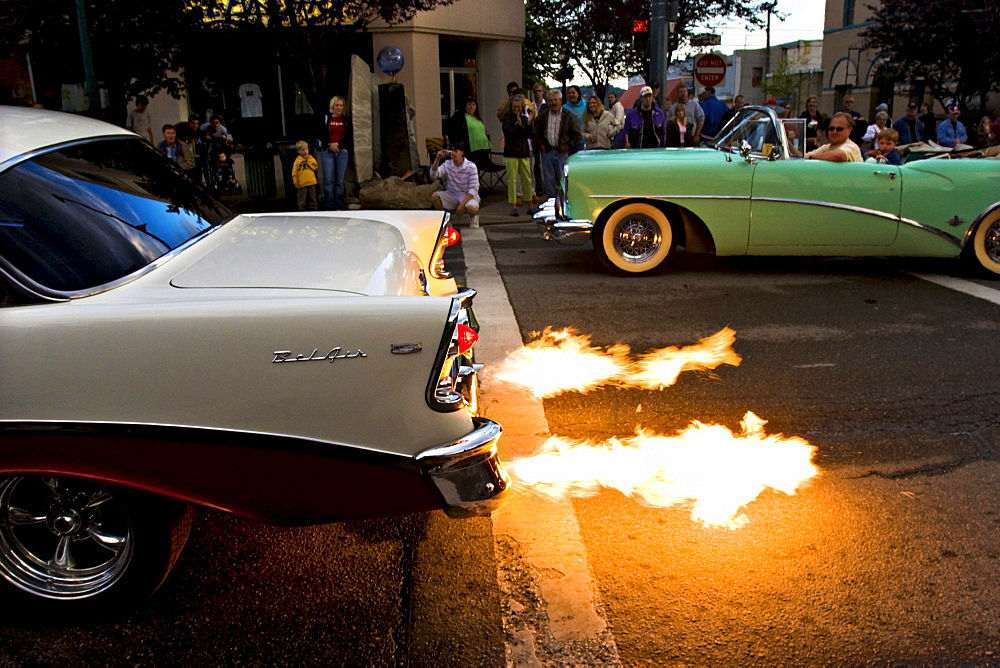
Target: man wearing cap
{"x": 910, "y": 128}
{"x": 951, "y": 131}
{"x": 714, "y": 109}
{"x": 645, "y": 125}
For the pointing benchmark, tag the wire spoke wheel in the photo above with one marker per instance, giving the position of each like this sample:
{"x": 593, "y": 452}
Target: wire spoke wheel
{"x": 635, "y": 239}
{"x": 986, "y": 245}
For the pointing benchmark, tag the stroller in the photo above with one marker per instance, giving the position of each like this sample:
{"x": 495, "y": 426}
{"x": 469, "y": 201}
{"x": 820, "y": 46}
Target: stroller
{"x": 221, "y": 174}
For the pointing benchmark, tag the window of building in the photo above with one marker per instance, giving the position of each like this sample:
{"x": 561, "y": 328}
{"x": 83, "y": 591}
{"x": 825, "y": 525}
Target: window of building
{"x": 848, "y": 12}
{"x": 459, "y": 75}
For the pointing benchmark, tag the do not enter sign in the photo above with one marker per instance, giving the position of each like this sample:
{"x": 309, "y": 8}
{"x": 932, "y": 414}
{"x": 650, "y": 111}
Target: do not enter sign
{"x": 710, "y": 69}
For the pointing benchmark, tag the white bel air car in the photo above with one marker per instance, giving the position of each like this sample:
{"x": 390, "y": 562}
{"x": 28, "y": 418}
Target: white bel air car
{"x": 157, "y": 351}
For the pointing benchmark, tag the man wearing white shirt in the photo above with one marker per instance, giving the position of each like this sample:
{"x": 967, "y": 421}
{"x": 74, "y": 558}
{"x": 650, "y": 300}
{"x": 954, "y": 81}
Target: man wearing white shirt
{"x": 461, "y": 193}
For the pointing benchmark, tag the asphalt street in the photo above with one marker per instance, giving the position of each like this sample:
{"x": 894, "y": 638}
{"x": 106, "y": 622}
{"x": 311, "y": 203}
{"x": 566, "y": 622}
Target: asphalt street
{"x": 890, "y": 556}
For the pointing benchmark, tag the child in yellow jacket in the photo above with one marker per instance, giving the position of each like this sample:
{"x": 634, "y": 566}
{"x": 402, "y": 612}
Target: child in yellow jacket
{"x": 304, "y": 177}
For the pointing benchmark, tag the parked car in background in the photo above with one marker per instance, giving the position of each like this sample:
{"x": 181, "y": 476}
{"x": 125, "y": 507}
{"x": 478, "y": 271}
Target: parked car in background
{"x": 159, "y": 351}
{"x": 752, "y": 193}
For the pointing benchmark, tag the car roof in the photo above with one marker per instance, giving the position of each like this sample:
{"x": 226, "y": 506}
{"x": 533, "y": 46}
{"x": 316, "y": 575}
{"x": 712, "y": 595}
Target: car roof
{"x": 25, "y": 131}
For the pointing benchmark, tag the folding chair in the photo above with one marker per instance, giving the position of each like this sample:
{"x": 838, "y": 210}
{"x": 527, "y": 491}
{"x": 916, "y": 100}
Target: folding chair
{"x": 491, "y": 174}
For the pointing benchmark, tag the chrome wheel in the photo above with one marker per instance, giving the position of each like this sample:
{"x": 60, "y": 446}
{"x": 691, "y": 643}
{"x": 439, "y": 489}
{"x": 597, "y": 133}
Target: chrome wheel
{"x": 985, "y": 246}
{"x": 991, "y": 241}
{"x": 637, "y": 238}
{"x": 62, "y": 538}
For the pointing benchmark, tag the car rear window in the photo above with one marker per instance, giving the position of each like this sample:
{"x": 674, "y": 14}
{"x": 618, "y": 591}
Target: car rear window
{"x": 89, "y": 214}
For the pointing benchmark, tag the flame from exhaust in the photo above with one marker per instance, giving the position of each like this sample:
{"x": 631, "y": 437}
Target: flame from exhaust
{"x": 563, "y": 360}
{"x": 708, "y": 467}
{"x": 660, "y": 368}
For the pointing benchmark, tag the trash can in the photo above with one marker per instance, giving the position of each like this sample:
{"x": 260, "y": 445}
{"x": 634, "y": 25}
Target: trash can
{"x": 287, "y": 152}
{"x": 259, "y": 164}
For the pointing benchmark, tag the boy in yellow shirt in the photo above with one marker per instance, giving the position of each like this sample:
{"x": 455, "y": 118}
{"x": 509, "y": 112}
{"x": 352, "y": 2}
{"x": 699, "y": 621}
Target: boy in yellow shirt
{"x": 304, "y": 177}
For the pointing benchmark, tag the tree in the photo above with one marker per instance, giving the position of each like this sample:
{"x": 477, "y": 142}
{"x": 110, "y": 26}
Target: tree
{"x": 138, "y": 47}
{"x": 781, "y": 82}
{"x": 305, "y": 34}
{"x": 539, "y": 59}
{"x": 956, "y": 54}
{"x": 596, "y": 36}
{"x": 135, "y": 47}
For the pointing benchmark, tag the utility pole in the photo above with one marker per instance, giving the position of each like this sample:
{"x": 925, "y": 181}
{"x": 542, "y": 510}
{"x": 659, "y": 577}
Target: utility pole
{"x": 767, "y": 49}
{"x": 661, "y": 14}
{"x": 93, "y": 97}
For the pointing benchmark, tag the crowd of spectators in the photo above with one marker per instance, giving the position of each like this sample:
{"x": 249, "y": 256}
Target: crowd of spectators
{"x": 541, "y": 130}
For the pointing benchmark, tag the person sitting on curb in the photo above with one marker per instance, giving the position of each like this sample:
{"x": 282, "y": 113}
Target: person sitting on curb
{"x": 461, "y": 193}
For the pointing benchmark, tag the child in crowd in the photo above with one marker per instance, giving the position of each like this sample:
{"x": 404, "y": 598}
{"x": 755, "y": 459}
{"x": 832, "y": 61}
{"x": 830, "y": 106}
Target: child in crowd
{"x": 224, "y": 173}
{"x": 304, "y": 177}
{"x": 886, "y": 152}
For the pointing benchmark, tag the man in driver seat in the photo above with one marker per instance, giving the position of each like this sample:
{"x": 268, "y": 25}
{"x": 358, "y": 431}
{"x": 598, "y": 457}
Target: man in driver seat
{"x": 840, "y": 148}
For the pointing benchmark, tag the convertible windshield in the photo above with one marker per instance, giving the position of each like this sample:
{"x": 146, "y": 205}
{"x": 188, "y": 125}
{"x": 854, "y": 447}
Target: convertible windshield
{"x": 754, "y": 127}
{"x": 93, "y": 213}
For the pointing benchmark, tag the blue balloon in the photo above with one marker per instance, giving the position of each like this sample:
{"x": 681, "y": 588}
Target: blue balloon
{"x": 390, "y": 60}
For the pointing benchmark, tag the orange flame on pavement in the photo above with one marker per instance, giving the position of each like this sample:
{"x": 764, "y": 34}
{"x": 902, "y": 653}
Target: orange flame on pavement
{"x": 563, "y": 360}
{"x": 660, "y": 368}
{"x": 708, "y": 467}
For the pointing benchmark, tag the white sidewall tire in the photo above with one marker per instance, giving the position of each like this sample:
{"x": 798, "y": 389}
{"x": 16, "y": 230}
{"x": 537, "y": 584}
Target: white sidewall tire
{"x": 990, "y": 226}
{"x": 663, "y": 246}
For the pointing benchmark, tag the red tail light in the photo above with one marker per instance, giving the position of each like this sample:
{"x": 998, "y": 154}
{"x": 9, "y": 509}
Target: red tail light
{"x": 467, "y": 338}
{"x": 452, "y": 236}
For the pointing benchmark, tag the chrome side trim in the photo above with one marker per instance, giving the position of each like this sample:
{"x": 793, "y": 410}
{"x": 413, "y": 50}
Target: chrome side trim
{"x": 830, "y": 205}
{"x": 951, "y": 238}
{"x": 668, "y": 196}
{"x": 467, "y": 472}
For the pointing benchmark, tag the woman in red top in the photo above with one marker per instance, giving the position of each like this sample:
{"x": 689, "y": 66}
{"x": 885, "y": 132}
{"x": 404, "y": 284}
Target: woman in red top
{"x": 335, "y": 157}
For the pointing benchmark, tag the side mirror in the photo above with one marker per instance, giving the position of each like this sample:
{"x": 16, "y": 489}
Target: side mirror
{"x": 745, "y": 150}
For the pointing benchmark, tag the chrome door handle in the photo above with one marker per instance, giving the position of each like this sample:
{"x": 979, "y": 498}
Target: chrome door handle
{"x": 891, "y": 175}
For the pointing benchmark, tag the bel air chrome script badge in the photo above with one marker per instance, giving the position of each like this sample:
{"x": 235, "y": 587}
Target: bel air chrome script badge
{"x": 334, "y": 354}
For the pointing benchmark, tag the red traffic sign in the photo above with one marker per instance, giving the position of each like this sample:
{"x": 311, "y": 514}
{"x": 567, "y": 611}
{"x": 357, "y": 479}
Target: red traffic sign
{"x": 710, "y": 69}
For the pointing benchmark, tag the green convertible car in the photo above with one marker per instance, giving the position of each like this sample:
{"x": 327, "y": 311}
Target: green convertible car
{"x": 751, "y": 193}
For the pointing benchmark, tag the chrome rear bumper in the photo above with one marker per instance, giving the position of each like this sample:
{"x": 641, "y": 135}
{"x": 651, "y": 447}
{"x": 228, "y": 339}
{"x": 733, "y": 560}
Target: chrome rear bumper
{"x": 467, "y": 473}
{"x": 553, "y": 226}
